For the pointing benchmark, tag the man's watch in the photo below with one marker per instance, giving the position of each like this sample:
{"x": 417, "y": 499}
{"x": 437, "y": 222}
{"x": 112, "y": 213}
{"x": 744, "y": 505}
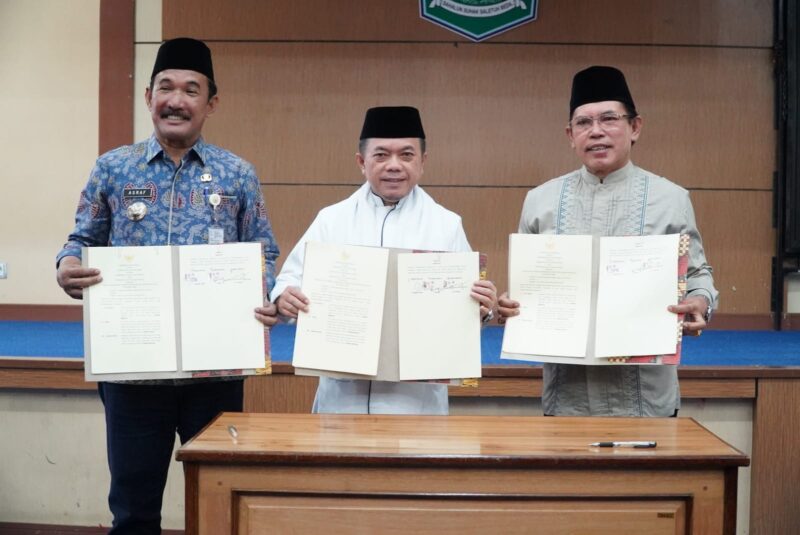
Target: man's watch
{"x": 709, "y": 311}
{"x": 488, "y": 317}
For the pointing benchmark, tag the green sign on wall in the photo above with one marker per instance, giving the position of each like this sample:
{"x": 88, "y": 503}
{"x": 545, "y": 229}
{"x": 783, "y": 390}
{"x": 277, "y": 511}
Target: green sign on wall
{"x": 478, "y": 19}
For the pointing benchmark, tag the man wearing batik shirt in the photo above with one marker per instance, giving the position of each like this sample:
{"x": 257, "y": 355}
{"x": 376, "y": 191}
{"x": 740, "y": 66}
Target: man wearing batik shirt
{"x": 173, "y": 189}
{"x": 610, "y": 196}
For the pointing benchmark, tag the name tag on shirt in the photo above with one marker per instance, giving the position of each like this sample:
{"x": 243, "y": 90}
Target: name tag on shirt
{"x": 137, "y": 193}
{"x": 216, "y": 235}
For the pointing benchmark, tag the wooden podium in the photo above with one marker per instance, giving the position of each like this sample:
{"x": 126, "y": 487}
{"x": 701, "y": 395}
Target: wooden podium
{"x": 290, "y": 473}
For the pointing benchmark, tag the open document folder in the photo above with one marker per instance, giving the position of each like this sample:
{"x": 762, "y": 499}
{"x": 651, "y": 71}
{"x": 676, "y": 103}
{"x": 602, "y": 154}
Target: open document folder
{"x": 174, "y": 312}
{"x": 596, "y": 300}
{"x": 388, "y": 314}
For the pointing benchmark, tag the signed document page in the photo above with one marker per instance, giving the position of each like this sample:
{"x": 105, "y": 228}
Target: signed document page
{"x": 220, "y": 285}
{"x": 551, "y": 277}
{"x": 345, "y": 285}
{"x": 439, "y": 323}
{"x": 129, "y": 318}
{"x": 636, "y": 284}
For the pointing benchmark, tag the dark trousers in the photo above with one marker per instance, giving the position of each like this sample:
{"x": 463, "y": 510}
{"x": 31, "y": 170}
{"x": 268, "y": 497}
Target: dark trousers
{"x": 141, "y": 422}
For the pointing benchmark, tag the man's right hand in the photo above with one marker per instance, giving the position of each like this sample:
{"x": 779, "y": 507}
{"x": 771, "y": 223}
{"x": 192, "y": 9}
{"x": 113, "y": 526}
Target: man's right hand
{"x": 73, "y": 278}
{"x": 292, "y": 301}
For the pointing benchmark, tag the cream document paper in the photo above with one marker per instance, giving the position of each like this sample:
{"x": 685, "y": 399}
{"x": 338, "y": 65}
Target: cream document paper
{"x": 551, "y": 278}
{"x": 439, "y": 323}
{"x": 586, "y": 299}
{"x": 132, "y": 320}
{"x": 220, "y": 285}
{"x": 168, "y": 311}
{"x": 345, "y": 285}
{"x": 636, "y": 284}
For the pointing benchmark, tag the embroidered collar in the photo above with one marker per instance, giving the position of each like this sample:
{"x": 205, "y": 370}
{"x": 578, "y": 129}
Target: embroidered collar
{"x": 616, "y": 177}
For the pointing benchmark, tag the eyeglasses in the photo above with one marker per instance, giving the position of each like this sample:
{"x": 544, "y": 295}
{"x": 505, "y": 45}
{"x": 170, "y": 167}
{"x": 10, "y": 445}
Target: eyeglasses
{"x": 607, "y": 121}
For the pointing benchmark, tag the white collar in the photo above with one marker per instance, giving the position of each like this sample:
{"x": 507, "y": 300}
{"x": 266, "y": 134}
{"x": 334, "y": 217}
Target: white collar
{"x": 375, "y": 200}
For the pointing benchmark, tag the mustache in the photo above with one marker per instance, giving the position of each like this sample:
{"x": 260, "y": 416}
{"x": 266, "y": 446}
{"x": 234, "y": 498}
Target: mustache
{"x": 173, "y": 111}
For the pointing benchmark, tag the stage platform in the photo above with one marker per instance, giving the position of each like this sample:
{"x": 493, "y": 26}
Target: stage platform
{"x": 64, "y": 340}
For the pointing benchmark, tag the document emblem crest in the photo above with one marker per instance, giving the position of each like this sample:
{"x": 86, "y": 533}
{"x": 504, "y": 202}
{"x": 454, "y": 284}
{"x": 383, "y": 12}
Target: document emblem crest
{"x": 478, "y": 19}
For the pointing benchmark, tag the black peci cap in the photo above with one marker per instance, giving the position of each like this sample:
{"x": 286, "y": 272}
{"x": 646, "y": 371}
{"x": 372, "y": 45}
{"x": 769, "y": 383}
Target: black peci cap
{"x": 184, "y": 53}
{"x": 392, "y": 122}
{"x": 598, "y": 84}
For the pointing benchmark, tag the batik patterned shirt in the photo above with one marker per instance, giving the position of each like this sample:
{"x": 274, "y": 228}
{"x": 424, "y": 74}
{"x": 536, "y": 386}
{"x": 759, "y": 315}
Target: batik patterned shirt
{"x": 178, "y": 205}
{"x": 176, "y": 198}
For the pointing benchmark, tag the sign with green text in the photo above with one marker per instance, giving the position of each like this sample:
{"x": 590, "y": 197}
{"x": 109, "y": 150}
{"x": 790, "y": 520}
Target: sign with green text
{"x": 478, "y": 19}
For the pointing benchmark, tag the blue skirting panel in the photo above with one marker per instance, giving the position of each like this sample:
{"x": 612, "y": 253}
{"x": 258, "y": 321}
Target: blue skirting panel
{"x": 47, "y": 339}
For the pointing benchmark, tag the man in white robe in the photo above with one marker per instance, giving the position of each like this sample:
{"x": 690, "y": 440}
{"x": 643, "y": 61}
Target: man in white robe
{"x": 610, "y": 196}
{"x": 389, "y": 210}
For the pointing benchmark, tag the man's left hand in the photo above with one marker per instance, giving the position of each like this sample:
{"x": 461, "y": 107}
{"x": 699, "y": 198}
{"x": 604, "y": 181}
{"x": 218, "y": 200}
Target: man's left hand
{"x": 268, "y": 314}
{"x": 694, "y": 309}
{"x": 485, "y": 293}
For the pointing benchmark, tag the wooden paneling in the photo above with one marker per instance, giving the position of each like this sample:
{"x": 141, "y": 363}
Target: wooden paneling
{"x": 224, "y": 484}
{"x": 44, "y": 379}
{"x": 738, "y": 240}
{"x": 41, "y": 312}
{"x": 492, "y": 115}
{"x": 291, "y": 210}
{"x": 735, "y": 226}
{"x": 296, "y": 77}
{"x": 116, "y": 74}
{"x": 775, "y": 492}
{"x": 279, "y": 393}
{"x": 507, "y": 387}
{"x": 426, "y": 515}
{"x": 283, "y": 392}
{"x": 295, "y": 394}
{"x": 713, "y": 389}
{"x": 489, "y": 216}
{"x": 710, "y": 22}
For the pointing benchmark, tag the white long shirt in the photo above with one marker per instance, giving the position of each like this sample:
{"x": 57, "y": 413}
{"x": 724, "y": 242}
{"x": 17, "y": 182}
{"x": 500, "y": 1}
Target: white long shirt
{"x": 415, "y": 222}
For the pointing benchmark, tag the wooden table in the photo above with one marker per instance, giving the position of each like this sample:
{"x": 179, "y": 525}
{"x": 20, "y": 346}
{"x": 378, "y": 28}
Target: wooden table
{"x": 462, "y": 474}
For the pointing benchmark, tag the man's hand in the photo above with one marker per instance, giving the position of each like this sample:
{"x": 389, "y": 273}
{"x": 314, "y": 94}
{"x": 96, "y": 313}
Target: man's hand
{"x": 694, "y": 309}
{"x": 268, "y": 314}
{"x": 292, "y": 301}
{"x": 73, "y": 278}
{"x": 485, "y": 293}
{"x": 507, "y": 308}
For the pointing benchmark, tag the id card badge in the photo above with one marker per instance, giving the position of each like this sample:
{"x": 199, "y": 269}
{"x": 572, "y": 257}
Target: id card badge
{"x": 216, "y": 235}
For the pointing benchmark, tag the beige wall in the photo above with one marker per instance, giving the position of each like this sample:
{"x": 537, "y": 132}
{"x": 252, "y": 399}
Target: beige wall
{"x": 53, "y": 464}
{"x": 148, "y": 36}
{"x": 53, "y": 467}
{"x": 49, "y": 57}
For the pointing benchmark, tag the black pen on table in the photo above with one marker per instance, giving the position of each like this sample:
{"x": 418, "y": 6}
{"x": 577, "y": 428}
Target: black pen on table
{"x": 625, "y": 444}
